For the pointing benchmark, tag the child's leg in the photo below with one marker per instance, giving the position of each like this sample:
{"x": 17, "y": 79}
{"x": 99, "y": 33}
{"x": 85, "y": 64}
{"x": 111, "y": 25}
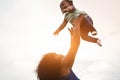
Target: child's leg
{"x": 86, "y": 27}
{"x": 91, "y": 27}
{"x": 86, "y": 37}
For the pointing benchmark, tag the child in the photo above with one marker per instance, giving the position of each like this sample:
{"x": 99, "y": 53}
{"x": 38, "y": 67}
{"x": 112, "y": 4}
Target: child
{"x": 73, "y": 16}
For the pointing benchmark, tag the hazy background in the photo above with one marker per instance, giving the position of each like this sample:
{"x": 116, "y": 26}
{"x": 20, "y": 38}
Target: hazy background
{"x": 26, "y": 33}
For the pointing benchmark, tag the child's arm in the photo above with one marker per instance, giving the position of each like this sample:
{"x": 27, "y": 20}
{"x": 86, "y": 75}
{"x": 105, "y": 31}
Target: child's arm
{"x": 62, "y": 26}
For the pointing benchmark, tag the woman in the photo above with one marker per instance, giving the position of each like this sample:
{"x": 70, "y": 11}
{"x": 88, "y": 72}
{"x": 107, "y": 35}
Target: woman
{"x": 59, "y": 67}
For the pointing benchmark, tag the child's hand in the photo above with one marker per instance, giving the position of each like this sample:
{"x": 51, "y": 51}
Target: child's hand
{"x": 56, "y": 33}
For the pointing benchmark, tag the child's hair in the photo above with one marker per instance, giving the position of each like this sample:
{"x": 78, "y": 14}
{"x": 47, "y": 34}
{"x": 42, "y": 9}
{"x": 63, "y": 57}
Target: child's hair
{"x": 49, "y": 67}
{"x": 69, "y": 1}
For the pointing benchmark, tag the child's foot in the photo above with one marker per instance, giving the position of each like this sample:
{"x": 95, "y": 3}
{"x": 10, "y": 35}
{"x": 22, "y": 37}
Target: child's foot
{"x": 99, "y": 42}
{"x": 94, "y": 33}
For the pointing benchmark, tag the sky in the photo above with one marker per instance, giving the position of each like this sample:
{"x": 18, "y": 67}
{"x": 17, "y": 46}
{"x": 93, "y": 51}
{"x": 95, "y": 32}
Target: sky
{"x": 26, "y": 33}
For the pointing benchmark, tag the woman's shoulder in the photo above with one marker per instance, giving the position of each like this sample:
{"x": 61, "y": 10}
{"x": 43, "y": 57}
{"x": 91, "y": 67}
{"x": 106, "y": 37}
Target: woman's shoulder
{"x": 70, "y": 76}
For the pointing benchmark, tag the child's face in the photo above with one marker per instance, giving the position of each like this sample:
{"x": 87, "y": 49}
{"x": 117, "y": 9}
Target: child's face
{"x": 64, "y": 5}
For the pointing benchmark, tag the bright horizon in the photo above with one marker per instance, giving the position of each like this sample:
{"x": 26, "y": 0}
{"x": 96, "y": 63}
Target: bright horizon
{"x": 26, "y": 33}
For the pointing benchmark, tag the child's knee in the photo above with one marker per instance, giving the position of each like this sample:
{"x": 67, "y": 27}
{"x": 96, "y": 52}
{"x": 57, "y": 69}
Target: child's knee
{"x": 84, "y": 37}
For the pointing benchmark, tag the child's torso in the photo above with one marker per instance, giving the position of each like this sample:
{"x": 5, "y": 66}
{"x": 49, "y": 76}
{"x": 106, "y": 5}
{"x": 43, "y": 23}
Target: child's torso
{"x": 70, "y": 16}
